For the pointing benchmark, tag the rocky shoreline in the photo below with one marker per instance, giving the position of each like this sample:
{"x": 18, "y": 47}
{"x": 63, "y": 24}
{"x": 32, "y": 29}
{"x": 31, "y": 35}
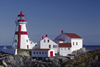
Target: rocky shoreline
{"x": 24, "y": 59}
{"x": 7, "y": 60}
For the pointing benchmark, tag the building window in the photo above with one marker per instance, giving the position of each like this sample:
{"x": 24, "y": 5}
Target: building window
{"x": 48, "y": 40}
{"x": 44, "y": 40}
{"x": 73, "y": 43}
{"x": 49, "y": 46}
{"x": 68, "y": 48}
{"x": 42, "y": 52}
{"x": 31, "y": 42}
{"x": 36, "y": 52}
{"x": 45, "y": 52}
{"x": 33, "y": 52}
{"x": 76, "y": 43}
{"x": 39, "y": 52}
{"x": 54, "y": 46}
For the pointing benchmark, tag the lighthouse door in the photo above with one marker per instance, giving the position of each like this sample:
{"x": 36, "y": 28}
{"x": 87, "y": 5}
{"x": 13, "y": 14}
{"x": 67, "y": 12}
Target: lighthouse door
{"x": 51, "y": 53}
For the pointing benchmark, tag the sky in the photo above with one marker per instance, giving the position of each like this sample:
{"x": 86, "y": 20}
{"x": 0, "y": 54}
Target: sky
{"x": 50, "y": 17}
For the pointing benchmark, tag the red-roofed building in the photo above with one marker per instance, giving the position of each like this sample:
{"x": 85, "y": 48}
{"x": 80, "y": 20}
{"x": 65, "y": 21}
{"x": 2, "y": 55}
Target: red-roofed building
{"x": 47, "y": 43}
{"x": 68, "y": 42}
{"x": 42, "y": 53}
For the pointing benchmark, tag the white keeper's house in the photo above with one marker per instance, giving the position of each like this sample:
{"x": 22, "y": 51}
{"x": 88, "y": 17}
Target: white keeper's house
{"x": 46, "y": 43}
{"x": 68, "y": 42}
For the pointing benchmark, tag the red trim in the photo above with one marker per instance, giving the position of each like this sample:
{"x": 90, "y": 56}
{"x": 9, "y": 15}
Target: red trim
{"x": 21, "y": 20}
{"x": 72, "y": 35}
{"x": 22, "y": 33}
{"x": 19, "y": 36}
{"x": 64, "y": 44}
{"x": 41, "y": 49}
{"x": 59, "y": 39}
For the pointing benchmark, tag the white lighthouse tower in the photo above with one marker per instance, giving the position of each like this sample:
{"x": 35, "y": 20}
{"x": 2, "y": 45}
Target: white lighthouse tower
{"x": 21, "y": 40}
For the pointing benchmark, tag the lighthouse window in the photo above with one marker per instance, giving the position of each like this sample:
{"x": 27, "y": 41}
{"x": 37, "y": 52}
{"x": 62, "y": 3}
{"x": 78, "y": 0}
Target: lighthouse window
{"x": 15, "y": 40}
{"x": 26, "y": 40}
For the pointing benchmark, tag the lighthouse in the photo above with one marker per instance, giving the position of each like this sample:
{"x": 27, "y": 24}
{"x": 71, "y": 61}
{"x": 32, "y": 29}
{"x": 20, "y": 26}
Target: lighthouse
{"x": 21, "y": 40}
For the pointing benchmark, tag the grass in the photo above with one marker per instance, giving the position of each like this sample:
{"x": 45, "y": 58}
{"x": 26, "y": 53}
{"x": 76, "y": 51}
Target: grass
{"x": 21, "y": 50}
{"x": 85, "y": 60}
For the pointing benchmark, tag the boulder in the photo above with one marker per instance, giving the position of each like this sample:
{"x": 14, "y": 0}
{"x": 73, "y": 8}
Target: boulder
{"x": 24, "y": 53}
{"x": 79, "y": 52}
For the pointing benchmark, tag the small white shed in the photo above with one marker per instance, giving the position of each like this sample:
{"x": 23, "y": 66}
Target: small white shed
{"x": 42, "y": 53}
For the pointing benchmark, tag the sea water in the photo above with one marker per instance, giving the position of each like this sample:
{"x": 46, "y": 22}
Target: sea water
{"x": 91, "y": 47}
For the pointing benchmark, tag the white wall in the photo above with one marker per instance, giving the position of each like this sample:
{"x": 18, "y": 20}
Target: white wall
{"x": 79, "y": 41}
{"x": 63, "y": 51}
{"x": 32, "y": 44}
{"x": 39, "y": 55}
{"x": 45, "y": 45}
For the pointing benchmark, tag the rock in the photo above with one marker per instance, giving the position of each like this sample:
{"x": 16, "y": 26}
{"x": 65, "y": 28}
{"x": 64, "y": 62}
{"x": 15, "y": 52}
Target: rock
{"x": 24, "y": 53}
{"x": 4, "y": 63}
{"x": 2, "y": 66}
{"x": 23, "y": 60}
{"x": 79, "y": 52}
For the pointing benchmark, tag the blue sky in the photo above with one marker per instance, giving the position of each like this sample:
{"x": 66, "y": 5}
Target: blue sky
{"x": 50, "y": 17}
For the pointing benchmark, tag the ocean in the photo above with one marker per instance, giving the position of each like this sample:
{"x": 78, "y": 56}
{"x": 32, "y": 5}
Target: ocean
{"x": 88, "y": 47}
{"x": 91, "y": 47}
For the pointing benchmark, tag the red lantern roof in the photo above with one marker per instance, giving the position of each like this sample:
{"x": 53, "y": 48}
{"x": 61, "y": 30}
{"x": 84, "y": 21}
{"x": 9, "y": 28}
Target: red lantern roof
{"x": 21, "y": 15}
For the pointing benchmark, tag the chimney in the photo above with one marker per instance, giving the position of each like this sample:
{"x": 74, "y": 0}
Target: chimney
{"x": 62, "y": 31}
{"x": 42, "y": 37}
{"x": 46, "y": 35}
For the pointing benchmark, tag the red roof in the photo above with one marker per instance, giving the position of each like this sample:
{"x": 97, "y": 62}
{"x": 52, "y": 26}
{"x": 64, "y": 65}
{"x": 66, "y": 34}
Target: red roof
{"x": 41, "y": 49}
{"x": 72, "y": 35}
{"x": 59, "y": 39}
{"x": 21, "y": 15}
{"x": 64, "y": 44}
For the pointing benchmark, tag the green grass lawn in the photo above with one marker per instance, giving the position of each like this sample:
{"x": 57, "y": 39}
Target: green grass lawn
{"x": 21, "y": 50}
